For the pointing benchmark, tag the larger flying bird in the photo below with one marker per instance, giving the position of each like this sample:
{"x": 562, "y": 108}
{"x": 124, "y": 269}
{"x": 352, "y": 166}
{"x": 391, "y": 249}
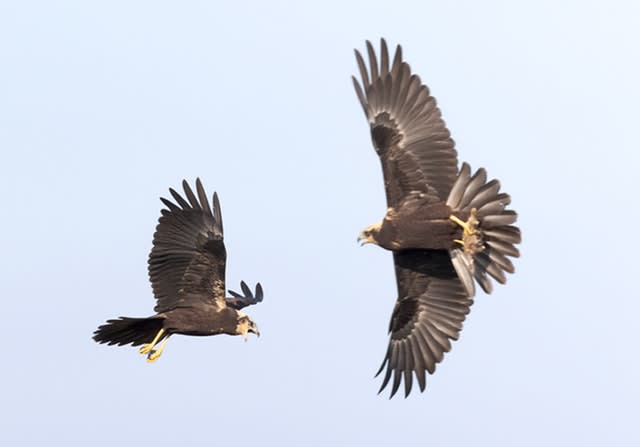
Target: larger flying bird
{"x": 187, "y": 271}
{"x": 445, "y": 227}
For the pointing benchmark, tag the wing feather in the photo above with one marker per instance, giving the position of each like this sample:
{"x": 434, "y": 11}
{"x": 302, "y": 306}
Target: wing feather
{"x": 193, "y": 201}
{"x": 384, "y": 58}
{"x": 373, "y": 62}
{"x": 178, "y": 198}
{"x": 187, "y": 261}
{"x": 362, "y": 66}
{"x": 425, "y": 353}
{"x": 202, "y": 197}
{"x": 414, "y": 145}
{"x": 432, "y": 304}
{"x": 239, "y": 301}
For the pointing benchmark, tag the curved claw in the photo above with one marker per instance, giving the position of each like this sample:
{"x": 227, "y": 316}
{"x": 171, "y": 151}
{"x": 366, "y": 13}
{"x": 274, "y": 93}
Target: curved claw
{"x": 155, "y": 353}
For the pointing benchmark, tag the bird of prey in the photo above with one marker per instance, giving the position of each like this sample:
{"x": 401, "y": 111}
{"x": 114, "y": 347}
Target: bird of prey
{"x": 187, "y": 272}
{"x": 446, "y": 227}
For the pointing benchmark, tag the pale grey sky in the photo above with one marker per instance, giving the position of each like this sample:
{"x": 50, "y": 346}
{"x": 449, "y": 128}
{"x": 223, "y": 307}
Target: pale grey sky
{"x": 105, "y": 105}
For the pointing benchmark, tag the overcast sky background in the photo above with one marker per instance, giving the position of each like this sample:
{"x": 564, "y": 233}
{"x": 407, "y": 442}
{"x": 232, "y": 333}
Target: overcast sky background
{"x": 105, "y": 105}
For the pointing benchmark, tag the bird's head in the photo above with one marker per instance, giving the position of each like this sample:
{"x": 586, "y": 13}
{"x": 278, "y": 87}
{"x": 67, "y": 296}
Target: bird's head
{"x": 368, "y": 235}
{"x": 246, "y": 325}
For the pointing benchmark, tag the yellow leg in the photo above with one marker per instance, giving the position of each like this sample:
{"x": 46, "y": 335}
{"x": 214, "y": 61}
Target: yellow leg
{"x": 457, "y": 220}
{"x": 146, "y": 348}
{"x": 471, "y": 237}
{"x": 153, "y": 355}
{"x": 470, "y": 225}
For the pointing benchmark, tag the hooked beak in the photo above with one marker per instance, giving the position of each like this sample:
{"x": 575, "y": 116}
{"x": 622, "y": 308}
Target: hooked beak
{"x": 254, "y": 330}
{"x": 364, "y": 239}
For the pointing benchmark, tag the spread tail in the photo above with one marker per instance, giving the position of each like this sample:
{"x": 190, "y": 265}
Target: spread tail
{"x": 125, "y": 330}
{"x": 495, "y": 230}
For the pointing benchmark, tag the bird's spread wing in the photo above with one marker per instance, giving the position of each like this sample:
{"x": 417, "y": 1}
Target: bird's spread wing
{"x": 431, "y": 306}
{"x": 187, "y": 261}
{"x": 414, "y": 145}
{"x": 238, "y": 301}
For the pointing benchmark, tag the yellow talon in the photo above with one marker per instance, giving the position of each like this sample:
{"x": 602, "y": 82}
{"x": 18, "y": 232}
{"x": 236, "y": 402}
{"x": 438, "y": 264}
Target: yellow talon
{"x": 147, "y": 347}
{"x": 154, "y": 354}
{"x": 471, "y": 237}
{"x": 470, "y": 225}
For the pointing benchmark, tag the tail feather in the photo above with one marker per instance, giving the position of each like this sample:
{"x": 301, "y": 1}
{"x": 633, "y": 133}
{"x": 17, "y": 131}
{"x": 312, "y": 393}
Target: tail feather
{"x": 125, "y": 330}
{"x": 484, "y": 282}
{"x": 496, "y": 205}
{"x": 485, "y": 195}
{"x": 476, "y": 182}
{"x": 507, "y": 233}
{"x": 493, "y": 269}
{"x": 506, "y": 217}
{"x": 503, "y": 247}
{"x": 499, "y": 235}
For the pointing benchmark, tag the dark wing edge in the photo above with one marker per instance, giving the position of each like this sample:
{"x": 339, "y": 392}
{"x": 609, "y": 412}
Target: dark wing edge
{"x": 247, "y": 298}
{"x": 407, "y": 129}
{"x": 188, "y": 258}
{"x": 499, "y": 235}
{"x": 426, "y": 317}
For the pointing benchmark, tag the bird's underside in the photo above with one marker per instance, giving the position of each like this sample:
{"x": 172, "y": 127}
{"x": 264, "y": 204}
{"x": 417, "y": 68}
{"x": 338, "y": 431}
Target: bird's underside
{"x": 473, "y": 224}
{"x": 446, "y": 227}
{"x": 420, "y": 226}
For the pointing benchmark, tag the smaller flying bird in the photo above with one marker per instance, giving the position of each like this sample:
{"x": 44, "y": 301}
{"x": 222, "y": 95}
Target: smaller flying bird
{"x": 187, "y": 272}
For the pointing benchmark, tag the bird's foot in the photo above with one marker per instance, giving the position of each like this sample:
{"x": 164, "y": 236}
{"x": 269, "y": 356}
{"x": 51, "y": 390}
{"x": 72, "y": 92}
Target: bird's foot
{"x": 471, "y": 237}
{"x": 154, "y": 355}
{"x": 146, "y": 348}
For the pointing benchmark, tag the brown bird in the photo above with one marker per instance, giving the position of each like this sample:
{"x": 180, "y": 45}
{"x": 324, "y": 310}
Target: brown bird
{"x": 445, "y": 227}
{"x": 187, "y": 272}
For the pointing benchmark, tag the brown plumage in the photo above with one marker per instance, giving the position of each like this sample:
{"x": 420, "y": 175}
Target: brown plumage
{"x": 187, "y": 272}
{"x": 445, "y": 227}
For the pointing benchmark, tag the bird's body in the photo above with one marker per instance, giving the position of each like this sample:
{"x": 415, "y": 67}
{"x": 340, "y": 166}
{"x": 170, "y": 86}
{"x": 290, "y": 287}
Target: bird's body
{"x": 418, "y": 225}
{"x": 187, "y": 271}
{"x": 201, "y": 321}
{"x": 446, "y": 228}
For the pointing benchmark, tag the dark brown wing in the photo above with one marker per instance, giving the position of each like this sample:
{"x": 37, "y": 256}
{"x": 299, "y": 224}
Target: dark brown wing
{"x": 408, "y": 133}
{"x": 239, "y": 301}
{"x": 431, "y": 306}
{"x": 187, "y": 261}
